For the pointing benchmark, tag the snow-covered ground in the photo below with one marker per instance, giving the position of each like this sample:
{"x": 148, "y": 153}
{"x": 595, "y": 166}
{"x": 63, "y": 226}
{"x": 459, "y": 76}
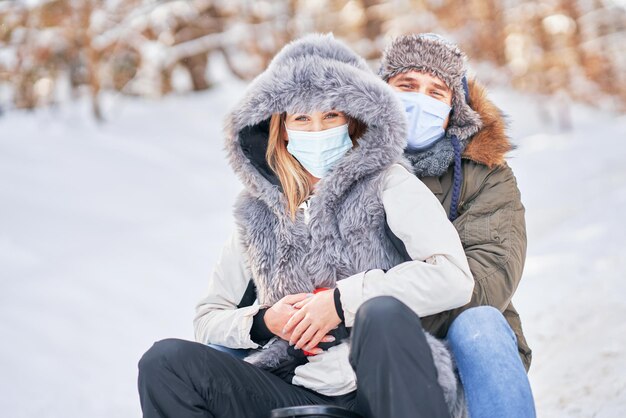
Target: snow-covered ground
{"x": 108, "y": 234}
{"x": 572, "y": 297}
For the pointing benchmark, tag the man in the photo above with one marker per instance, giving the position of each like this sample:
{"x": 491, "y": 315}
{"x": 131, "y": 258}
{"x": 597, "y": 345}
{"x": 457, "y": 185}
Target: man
{"x": 456, "y": 145}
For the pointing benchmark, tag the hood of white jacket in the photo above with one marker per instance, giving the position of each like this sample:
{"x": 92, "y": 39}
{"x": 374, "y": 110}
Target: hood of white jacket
{"x": 315, "y": 73}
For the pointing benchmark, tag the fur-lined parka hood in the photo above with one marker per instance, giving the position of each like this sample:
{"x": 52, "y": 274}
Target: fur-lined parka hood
{"x": 315, "y": 73}
{"x": 491, "y": 143}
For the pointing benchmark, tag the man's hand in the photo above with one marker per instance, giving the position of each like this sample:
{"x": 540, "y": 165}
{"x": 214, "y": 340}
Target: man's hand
{"x": 277, "y": 316}
{"x": 311, "y": 322}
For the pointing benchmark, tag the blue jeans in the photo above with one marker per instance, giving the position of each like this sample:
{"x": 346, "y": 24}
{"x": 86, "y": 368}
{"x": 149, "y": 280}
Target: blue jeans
{"x": 493, "y": 376}
{"x": 240, "y": 353}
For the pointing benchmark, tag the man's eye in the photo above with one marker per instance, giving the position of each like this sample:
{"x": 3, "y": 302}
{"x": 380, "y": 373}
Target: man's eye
{"x": 436, "y": 93}
{"x": 406, "y": 86}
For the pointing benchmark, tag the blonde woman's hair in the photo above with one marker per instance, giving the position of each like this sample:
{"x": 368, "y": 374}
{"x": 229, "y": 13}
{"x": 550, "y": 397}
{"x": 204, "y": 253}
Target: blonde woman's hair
{"x": 292, "y": 176}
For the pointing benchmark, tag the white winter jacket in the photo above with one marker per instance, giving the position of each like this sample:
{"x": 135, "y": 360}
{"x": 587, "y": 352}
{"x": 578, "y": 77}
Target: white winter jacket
{"x": 438, "y": 279}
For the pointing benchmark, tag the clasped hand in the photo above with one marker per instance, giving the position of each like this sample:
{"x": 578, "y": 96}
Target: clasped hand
{"x": 304, "y": 319}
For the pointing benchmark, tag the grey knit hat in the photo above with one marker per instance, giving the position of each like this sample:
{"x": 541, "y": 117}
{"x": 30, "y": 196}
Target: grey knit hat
{"x": 431, "y": 53}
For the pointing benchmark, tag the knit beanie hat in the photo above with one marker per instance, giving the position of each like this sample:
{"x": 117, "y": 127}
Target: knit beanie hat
{"x": 431, "y": 53}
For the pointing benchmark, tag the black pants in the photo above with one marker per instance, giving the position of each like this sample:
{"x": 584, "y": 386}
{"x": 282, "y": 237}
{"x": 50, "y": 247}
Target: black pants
{"x": 392, "y": 360}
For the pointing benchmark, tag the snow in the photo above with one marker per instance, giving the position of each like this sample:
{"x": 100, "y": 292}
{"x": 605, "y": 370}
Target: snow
{"x": 572, "y": 295}
{"x": 108, "y": 234}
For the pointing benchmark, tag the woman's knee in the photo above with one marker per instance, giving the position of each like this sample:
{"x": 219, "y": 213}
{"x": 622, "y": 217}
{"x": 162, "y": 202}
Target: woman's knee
{"x": 165, "y": 352}
{"x": 384, "y": 310}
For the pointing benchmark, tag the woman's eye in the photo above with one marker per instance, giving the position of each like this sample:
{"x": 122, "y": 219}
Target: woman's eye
{"x": 331, "y": 115}
{"x": 301, "y": 118}
{"x": 436, "y": 93}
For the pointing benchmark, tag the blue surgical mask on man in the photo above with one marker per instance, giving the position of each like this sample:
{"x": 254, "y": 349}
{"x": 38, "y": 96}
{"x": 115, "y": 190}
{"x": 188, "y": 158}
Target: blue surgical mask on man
{"x": 319, "y": 151}
{"x": 426, "y": 117}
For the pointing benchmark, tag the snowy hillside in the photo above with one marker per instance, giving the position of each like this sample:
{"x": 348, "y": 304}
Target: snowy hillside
{"x": 108, "y": 234}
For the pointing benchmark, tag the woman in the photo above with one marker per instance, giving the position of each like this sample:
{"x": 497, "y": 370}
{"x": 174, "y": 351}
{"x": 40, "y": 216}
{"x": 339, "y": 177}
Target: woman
{"x": 317, "y": 142}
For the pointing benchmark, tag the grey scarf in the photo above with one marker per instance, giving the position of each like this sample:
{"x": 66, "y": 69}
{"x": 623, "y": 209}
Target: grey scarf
{"x": 436, "y": 160}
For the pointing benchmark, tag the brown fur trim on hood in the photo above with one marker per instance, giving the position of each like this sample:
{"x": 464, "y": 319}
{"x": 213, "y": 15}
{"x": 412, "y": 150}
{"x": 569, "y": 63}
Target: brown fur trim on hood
{"x": 489, "y": 145}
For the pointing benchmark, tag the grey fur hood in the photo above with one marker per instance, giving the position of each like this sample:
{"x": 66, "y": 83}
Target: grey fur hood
{"x": 315, "y": 73}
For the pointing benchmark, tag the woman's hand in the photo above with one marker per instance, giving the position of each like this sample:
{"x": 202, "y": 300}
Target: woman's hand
{"x": 312, "y": 321}
{"x": 281, "y": 312}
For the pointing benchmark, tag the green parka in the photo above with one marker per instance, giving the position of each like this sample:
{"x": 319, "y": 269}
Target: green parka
{"x": 490, "y": 221}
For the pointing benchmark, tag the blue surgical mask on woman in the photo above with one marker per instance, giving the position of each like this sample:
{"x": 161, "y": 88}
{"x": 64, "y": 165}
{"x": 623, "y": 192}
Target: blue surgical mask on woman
{"x": 318, "y": 151}
{"x": 426, "y": 117}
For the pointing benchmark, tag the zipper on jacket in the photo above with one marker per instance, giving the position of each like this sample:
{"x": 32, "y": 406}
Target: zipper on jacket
{"x": 305, "y": 206}
{"x": 482, "y": 184}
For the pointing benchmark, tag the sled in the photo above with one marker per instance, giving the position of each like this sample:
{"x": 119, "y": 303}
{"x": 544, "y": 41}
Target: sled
{"x": 313, "y": 411}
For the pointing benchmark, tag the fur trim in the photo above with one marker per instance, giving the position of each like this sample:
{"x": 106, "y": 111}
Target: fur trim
{"x": 424, "y": 52}
{"x": 270, "y": 357}
{"x": 319, "y": 73}
{"x": 453, "y": 392}
{"x": 490, "y": 145}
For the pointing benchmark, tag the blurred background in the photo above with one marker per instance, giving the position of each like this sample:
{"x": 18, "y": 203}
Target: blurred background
{"x": 52, "y": 49}
{"x": 116, "y": 197}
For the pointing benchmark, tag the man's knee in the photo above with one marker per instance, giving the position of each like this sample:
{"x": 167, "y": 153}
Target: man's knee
{"x": 479, "y": 325}
{"x": 383, "y": 311}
